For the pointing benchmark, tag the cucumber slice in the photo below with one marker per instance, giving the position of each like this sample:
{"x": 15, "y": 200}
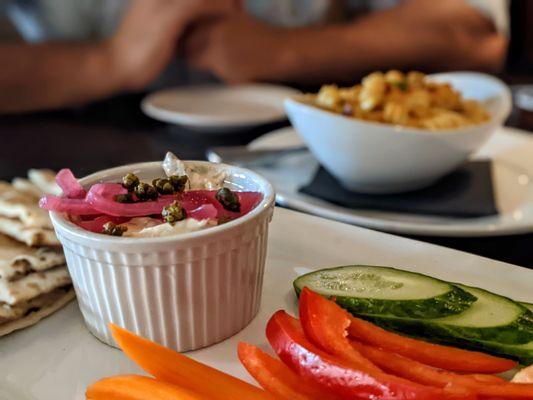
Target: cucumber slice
{"x": 529, "y": 306}
{"x": 523, "y": 353}
{"x": 385, "y": 291}
{"x": 491, "y": 318}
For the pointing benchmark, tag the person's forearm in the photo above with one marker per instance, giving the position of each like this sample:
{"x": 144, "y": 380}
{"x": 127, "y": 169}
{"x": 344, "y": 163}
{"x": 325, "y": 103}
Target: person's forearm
{"x": 44, "y": 76}
{"x": 343, "y": 52}
{"x": 377, "y": 41}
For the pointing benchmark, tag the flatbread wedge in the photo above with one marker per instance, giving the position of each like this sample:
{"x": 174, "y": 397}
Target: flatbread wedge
{"x": 30, "y": 236}
{"x": 17, "y": 259}
{"x": 18, "y": 204}
{"x": 33, "y": 285}
{"x": 25, "y": 185}
{"x": 41, "y": 308}
{"x": 45, "y": 179}
{"x": 11, "y": 313}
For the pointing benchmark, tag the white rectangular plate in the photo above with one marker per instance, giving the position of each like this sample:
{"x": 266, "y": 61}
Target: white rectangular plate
{"x": 58, "y": 358}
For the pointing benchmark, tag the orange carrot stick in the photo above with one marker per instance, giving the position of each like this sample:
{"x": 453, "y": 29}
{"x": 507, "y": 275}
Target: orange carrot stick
{"x": 136, "y": 387}
{"x": 172, "y": 367}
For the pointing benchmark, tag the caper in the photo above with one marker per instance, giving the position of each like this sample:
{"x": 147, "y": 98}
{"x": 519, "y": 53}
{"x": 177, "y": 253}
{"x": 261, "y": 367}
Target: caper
{"x": 129, "y": 181}
{"x": 228, "y": 199}
{"x": 179, "y": 182}
{"x": 124, "y": 198}
{"x": 145, "y": 191}
{"x": 112, "y": 229}
{"x": 173, "y": 213}
{"x": 163, "y": 186}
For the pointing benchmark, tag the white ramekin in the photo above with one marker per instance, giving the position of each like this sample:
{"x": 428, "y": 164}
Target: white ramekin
{"x": 186, "y": 291}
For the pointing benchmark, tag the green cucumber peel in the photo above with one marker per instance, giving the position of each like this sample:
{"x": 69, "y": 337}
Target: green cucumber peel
{"x": 386, "y": 291}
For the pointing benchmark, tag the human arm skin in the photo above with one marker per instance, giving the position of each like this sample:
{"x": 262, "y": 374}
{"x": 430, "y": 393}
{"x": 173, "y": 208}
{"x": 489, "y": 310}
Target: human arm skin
{"x": 424, "y": 34}
{"x": 51, "y": 75}
{"x": 43, "y": 76}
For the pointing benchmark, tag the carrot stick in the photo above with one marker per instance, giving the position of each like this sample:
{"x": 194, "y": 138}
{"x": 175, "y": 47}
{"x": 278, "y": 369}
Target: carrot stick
{"x": 136, "y": 387}
{"x": 445, "y": 357}
{"x": 172, "y": 367}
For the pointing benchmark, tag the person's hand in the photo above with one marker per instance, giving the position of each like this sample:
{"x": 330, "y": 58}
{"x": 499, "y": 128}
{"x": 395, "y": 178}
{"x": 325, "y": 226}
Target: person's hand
{"x": 236, "y": 48}
{"x": 147, "y": 36}
{"x": 450, "y": 33}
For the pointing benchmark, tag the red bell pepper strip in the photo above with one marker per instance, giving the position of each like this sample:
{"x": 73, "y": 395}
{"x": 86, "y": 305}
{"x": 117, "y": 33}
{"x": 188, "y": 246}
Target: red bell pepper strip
{"x": 288, "y": 340}
{"x": 484, "y": 378}
{"x": 445, "y": 357}
{"x": 325, "y": 324}
{"x": 276, "y": 378}
{"x": 421, "y": 373}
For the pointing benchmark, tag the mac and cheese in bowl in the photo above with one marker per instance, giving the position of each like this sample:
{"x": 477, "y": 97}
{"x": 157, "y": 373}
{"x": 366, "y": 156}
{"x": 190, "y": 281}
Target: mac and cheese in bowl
{"x": 403, "y": 99}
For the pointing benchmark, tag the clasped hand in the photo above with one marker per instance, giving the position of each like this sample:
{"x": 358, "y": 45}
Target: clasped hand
{"x": 220, "y": 37}
{"x": 152, "y": 31}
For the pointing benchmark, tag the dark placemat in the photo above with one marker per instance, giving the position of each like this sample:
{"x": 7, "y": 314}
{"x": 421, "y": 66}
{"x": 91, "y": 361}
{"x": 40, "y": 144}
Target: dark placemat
{"x": 466, "y": 192}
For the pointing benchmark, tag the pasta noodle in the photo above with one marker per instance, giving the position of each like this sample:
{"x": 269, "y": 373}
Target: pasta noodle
{"x": 403, "y": 99}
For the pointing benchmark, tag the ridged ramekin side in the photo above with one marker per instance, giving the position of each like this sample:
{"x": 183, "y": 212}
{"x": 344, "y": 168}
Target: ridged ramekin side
{"x": 186, "y": 296}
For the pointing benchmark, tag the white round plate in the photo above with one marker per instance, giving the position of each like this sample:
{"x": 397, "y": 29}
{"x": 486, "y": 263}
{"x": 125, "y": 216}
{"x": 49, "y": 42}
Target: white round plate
{"x": 58, "y": 358}
{"x": 218, "y": 108}
{"x": 510, "y": 150}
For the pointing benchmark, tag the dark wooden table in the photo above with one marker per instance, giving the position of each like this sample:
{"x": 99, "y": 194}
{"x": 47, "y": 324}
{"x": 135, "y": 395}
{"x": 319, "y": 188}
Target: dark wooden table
{"x": 115, "y": 132}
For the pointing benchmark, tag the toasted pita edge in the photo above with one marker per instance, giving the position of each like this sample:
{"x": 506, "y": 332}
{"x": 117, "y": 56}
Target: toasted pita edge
{"x": 45, "y": 179}
{"x": 35, "y": 317}
{"x": 26, "y": 186}
{"x": 17, "y": 259}
{"x": 33, "y": 237}
{"x": 16, "y": 203}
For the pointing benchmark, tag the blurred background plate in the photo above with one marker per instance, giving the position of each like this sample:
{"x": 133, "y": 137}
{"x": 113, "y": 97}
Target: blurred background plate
{"x": 510, "y": 150}
{"x": 218, "y": 108}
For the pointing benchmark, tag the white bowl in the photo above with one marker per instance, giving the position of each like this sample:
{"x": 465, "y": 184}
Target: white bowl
{"x": 186, "y": 291}
{"x": 374, "y": 157}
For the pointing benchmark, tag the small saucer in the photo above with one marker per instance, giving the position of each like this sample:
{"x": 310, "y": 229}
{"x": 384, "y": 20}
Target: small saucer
{"x": 218, "y": 108}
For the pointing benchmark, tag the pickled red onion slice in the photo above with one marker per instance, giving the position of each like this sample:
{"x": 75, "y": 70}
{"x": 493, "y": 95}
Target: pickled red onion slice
{"x": 72, "y": 206}
{"x": 195, "y": 198}
{"x": 205, "y": 211}
{"x": 102, "y": 198}
{"x": 199, "y": 204}
{"x": 97, "y": 225}
{"x": 248, "y": 201}
{"x": 70, "y": 185}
